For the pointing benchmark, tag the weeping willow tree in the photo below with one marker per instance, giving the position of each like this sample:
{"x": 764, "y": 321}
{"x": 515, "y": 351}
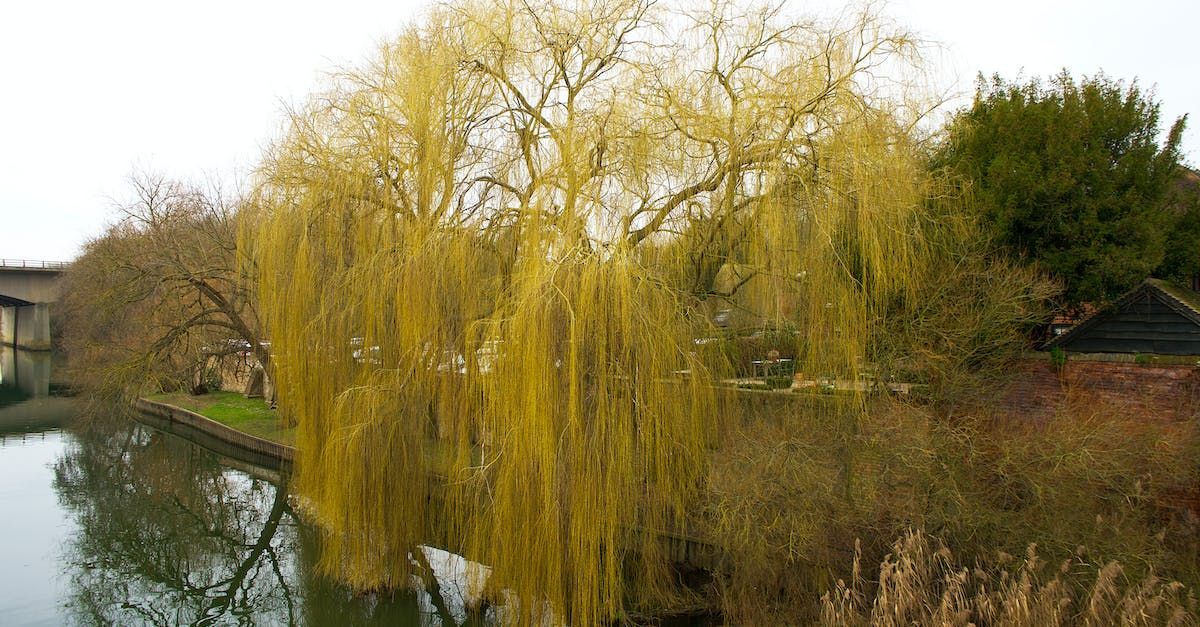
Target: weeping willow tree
{"x": 484, "y": 261}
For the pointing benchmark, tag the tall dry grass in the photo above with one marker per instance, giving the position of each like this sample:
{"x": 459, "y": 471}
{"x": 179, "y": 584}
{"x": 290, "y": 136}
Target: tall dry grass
{"x": 921, "y": 583}
{"x": 788, "y": 498}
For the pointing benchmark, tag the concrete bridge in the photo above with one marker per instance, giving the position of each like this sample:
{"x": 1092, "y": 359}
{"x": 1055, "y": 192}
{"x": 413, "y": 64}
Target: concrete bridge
{"x": 27, "y": 289}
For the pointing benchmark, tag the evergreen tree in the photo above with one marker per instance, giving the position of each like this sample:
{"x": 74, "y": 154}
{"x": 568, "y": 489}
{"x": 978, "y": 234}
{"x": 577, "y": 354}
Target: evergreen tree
{"x": 1181, "y": 261}
{"x": 1070, "y": 175}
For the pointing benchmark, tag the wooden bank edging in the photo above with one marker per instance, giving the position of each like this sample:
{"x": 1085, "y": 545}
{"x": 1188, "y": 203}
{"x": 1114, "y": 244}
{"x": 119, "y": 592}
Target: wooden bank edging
{"x": 181, "y": 421}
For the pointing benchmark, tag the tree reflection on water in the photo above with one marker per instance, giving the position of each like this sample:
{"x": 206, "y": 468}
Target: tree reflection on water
{"x": 168, "y": 535}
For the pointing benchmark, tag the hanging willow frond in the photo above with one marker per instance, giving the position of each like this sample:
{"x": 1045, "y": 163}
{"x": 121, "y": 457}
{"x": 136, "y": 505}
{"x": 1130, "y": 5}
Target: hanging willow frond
{"x": 484, "y": 261}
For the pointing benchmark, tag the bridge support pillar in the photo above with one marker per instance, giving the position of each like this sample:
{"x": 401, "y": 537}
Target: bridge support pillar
{"x": 26, "y": 327}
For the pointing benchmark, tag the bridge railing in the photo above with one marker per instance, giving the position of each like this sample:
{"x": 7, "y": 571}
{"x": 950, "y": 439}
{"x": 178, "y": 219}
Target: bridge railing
{"x": 33, "y": 264}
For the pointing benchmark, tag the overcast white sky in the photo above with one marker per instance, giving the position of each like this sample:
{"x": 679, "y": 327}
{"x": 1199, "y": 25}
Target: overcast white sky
{"x": 89, "y": 91}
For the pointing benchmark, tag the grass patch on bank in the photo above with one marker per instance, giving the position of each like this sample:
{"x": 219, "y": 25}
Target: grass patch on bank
{"x": 254, "y": 416}
{"x": 248, "y": 415}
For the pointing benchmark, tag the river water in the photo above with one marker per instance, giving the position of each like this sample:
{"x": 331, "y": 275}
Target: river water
{"x": 106, "y": 522}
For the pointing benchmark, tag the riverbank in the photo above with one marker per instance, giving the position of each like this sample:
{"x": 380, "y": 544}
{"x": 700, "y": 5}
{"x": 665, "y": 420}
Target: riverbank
{"x": 897, "y": 445}
{"x": 216, "y": 435}
{"x": 252, "y": 416}
{"x": 214, "y": 425}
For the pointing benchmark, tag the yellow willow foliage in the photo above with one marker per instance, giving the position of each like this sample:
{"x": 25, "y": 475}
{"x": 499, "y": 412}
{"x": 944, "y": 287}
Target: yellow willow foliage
{"x": 483, "y": 263}
{"x": 598, "y": 424}
{"x": 853, "y": 248}
{"x": 367, "y": 346}
{"x": 567, "y": 428}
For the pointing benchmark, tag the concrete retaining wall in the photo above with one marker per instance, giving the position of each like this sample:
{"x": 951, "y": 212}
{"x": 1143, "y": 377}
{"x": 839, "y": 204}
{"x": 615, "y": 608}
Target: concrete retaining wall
{"x": 212, "y": 434}
{"x": 257, "y": 451}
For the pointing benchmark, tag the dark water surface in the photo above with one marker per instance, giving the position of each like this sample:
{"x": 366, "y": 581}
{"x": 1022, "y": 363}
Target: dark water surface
{"x": 119, "y": 524}
{"x": 104, "y": 521}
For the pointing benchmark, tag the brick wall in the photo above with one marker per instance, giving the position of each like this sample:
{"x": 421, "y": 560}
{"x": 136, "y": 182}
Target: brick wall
{"x": 1038, "y": 390}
